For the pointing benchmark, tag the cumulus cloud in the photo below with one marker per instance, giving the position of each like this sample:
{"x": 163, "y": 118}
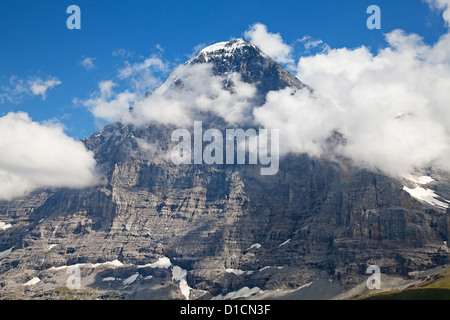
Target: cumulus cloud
{"x": 443, "y": 5}
{"x": 198, "y": 92}
{"x": 18, "y": 88}
{"x": 149, "y": 64}
{"x": 143, "y": 75}
{"x": 88, "y": 63}
{"x": 303, "y": 120}
{"x": 40, "y": 87}
{"x": 270, "y": 43}
{"x": 391, "y": 106}
{"x": 108, "y": 105}
{"x": 36, "y": 155}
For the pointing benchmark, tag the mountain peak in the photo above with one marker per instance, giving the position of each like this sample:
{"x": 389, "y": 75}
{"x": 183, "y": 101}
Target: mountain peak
{"x": 252, "y": 64}
{"x": 225, "y": 48}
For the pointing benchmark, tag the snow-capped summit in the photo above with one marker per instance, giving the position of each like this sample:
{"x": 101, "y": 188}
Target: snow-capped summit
{"x": 225, "y": 48}
{"x": 324, "y": 216}
{"x": 238, "y": 56}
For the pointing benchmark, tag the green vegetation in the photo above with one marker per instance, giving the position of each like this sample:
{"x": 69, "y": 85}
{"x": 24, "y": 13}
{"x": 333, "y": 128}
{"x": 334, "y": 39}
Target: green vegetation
{"x": 436, "y": 288}
{"x": 64, "y": 293}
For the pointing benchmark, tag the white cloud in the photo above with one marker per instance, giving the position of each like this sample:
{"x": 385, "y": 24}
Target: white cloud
{"x": 391, "y": 106}
{"x": 149, "y": 64}
{"x": 270, "y": 43}
{"x": 140, "y": 77}
{"x": 201, "y": 93}
{"x": 160, "y": 48}
{"x": 13, "y": 92}
{"x": 88, "y": 63}
{"x": 310, "y": 43}
{"x": 108, "y": 105}
{"x": 123, "y": 53}
{"x": 18, "y": 88}
{"x": 35, "y": 156}
{"x": 144, "y": 75}
{"x": 302, "y": 120}
{"x": 40, "y": 87}
{"x": 443, "y": 5}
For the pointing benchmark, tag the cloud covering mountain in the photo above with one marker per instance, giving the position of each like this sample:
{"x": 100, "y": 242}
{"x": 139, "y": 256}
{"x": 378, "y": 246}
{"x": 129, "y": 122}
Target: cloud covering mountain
{"x": 35, "y": 155}
{"x": 391, "y": 105}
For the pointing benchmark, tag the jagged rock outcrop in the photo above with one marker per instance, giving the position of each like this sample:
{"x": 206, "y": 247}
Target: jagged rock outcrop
{"x": 227, "y": 226}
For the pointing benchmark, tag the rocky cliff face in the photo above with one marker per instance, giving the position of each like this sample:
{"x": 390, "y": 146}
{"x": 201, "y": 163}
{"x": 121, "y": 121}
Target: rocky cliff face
{"x": 157, "y": 230}
{"x": 251, "y": 63}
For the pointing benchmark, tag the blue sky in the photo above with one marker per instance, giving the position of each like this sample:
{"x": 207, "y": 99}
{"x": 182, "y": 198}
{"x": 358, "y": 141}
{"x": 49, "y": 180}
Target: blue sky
{"x": 36, "y": 44}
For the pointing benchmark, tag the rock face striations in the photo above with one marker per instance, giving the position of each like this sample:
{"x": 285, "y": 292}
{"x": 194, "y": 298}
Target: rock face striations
{"x": 156, "y": 230}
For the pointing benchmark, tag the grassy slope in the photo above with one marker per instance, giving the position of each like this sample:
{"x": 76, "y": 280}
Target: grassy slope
{"x": 436, "y": 288}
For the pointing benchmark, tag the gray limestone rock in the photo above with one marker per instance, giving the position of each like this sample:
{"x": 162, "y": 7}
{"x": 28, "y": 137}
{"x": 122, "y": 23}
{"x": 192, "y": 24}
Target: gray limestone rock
{"x": 227, "y": 226}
